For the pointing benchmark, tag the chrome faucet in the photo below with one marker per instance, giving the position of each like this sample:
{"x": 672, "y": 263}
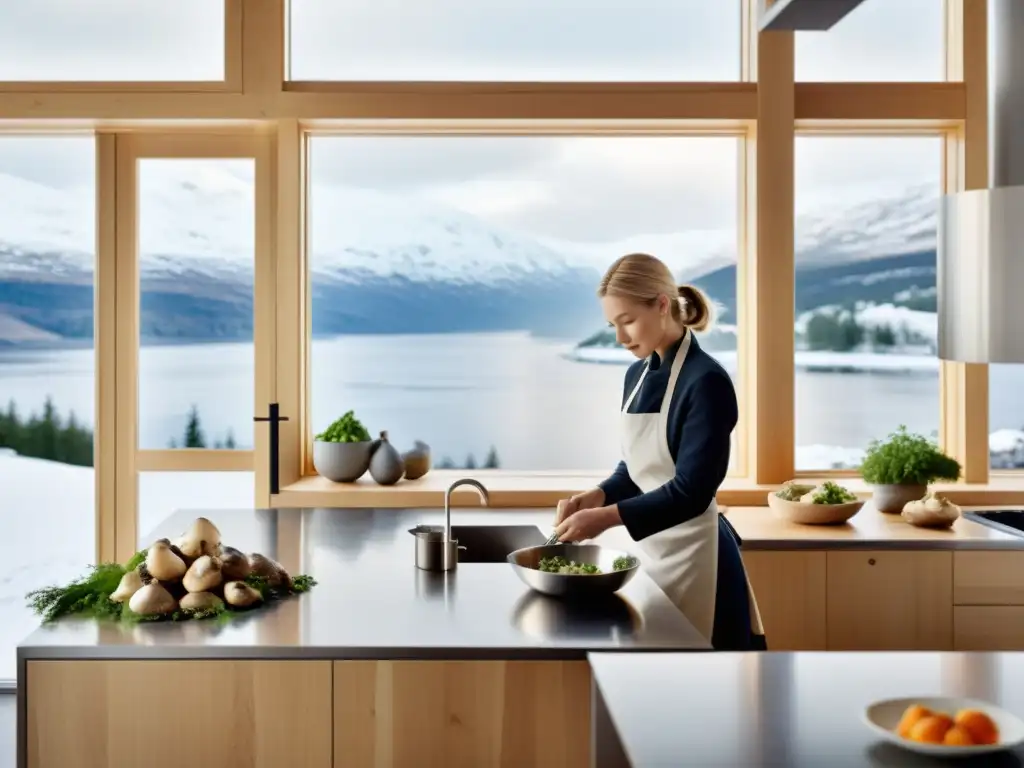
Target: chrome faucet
{"x": 485, "y": 497}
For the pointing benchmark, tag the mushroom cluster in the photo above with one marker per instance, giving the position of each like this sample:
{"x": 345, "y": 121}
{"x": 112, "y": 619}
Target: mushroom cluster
{"x": 197, "y": 574}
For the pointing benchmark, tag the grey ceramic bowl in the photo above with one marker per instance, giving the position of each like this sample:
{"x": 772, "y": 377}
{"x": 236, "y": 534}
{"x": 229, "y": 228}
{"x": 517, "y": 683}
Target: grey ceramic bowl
{"x": 342, "y": 462}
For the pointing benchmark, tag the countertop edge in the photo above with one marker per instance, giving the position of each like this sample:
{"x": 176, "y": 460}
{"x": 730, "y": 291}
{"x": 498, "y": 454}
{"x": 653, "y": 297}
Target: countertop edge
{"x": 285, "y": 653}
{"x": 970, "y": 545}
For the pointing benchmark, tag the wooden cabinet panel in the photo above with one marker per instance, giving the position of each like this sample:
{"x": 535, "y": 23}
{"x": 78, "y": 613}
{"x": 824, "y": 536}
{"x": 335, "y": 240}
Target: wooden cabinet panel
{"x": 889, "y": 600}
{"x": 988, "y": 578}
{"x": 790, "y": 591}
{"x": 167, "y": 714}
{"x": 461, "y": 714}
{"x": 988, "y": 628}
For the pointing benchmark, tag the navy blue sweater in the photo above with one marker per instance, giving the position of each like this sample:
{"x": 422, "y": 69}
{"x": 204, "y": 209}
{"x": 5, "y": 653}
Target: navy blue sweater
{"x": 702, "y": 415}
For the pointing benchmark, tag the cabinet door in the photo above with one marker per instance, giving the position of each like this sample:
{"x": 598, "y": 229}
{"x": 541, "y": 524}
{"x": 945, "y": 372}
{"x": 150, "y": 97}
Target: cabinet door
{"x": 790, "y": 592}
{"x": 169, "y": 714}
{"x": 448, "y": 714}
{"x": 988, "y": 628}
{"x": 889, "y": 600}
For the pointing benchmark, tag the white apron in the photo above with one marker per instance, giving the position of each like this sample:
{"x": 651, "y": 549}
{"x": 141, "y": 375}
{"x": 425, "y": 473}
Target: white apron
{"x": 682, "y": 560}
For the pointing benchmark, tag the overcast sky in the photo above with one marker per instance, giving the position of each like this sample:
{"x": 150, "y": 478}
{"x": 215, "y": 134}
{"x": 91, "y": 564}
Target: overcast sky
{"x": 582, "y": 189}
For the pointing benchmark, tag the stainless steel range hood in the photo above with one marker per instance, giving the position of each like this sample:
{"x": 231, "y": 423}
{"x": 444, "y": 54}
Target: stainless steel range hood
{"x": 981, "y": 232}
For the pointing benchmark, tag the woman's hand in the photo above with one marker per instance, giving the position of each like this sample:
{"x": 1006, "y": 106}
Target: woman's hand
{"x": 588, "y": 524}
{"x": 586, "y": 500}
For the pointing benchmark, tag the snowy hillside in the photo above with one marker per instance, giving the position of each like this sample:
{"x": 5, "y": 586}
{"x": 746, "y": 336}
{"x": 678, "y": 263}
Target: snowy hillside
{"x": 400, "y": 263}
{"x": 890, "y": 224}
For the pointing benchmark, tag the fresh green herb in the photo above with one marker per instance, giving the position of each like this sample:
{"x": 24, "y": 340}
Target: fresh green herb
{"x": 623, "y": 563}
{"x": 793, "y": 491}
{"x": 558, "y": 564}
{"x": 832, "y": 493}
{"x": 303, "y": 583}
{"x": 137, "y": 559}
{"x": 89, "y": 595}
{"x": 259, "y": 583}
{"x": 347, "y": 429}
{"x": 907, "y": 459}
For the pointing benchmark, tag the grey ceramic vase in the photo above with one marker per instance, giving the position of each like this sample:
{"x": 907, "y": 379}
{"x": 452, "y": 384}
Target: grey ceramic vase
{"x": 386, "y": 467}
{"x": 342, "y": 462}
{"x": 890, "y": 499}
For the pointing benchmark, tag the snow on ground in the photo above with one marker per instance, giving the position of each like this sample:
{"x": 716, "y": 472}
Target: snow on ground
{"x": 855, "y": 362}
{"x": 49, "y": 526}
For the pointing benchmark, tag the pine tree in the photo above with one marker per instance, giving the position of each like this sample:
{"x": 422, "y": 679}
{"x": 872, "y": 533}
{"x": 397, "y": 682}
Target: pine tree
{"x": 194, "y": 431}
{"x": 229, "y": 443}
{"x": 492, "y": 461}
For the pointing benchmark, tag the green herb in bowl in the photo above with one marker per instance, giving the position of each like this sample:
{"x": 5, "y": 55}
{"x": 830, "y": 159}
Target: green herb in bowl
{"x": 347, "y": 429}
{"x": 793, "y": 491}
{"x": 828, "y": 493}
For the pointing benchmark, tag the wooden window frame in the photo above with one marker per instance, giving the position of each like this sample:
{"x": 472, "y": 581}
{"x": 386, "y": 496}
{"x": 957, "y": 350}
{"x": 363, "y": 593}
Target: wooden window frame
{"x": 765, "y": 105}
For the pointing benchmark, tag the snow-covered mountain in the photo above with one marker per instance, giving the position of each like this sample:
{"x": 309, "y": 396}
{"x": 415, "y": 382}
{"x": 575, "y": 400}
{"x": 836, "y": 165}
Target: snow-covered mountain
{"x": 395, "y": 263}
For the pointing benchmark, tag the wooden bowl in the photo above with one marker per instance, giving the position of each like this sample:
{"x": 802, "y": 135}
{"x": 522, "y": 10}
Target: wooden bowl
{"x": 813, "y": 514}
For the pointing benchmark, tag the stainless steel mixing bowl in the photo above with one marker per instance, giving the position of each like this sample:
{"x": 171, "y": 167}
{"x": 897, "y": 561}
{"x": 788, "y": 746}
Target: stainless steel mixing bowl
{"x": 525, "y": 561}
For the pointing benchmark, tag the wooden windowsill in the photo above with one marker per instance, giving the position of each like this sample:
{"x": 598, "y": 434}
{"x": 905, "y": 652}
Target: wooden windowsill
{"x": 544, "y": 489}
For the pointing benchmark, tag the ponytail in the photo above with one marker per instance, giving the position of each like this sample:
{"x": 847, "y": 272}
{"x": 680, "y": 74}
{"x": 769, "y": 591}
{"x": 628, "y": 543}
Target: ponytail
{"x": 694, "y": 308}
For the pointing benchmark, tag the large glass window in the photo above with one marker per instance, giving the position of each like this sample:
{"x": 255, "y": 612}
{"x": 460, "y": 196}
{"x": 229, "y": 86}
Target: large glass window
{"x": 866, "y": 331}
{"x": 529, "y": 40}
{"x": 453, "y": 284}
{"x": 196, "y": 257}
{"x": 111, "y": 40}
{"x": 47, "y": 257}
{"x": 881, "y": 41}
{"x": 161, "y": 494}
{"x": 1006, "y": 416}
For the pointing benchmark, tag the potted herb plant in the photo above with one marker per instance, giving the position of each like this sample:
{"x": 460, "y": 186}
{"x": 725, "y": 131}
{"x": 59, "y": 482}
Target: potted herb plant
{"x": 342, "y": 452}
{"x": 901, "y": 467}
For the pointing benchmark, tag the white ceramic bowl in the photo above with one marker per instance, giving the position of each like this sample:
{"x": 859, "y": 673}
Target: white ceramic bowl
{"x": 883, "y": 716}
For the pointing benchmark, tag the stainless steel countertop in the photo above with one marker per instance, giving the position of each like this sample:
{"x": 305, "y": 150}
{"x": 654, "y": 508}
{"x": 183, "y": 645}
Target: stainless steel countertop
{"x": 372, "y": 602}
{"x": 799, "y": 710}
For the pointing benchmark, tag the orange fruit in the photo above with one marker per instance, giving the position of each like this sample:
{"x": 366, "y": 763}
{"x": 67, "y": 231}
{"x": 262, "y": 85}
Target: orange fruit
{"x": 931, "y": 729}
{"x": 979, "y": 725}
{"x": 911, "y": 715}
{"x": 957, "y": 736}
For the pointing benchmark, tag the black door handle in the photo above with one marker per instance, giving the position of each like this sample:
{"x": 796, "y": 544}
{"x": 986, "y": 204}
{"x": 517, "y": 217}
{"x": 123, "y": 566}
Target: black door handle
{"x": 274, "y": 418}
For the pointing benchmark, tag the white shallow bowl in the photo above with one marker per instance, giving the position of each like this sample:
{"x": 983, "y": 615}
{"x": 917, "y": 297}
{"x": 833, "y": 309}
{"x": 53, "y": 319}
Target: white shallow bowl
{"x": 883, "y": 716}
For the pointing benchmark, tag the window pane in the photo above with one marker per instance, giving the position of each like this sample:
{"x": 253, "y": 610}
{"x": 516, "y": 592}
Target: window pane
{"x": 1006, "y": 416}
{"x": 47, "y": 257}
{"x": 880, "y": 41}
{"x": 197, "y": 245}
{"x": 110, "y": 40}
{"x": 161, "y": 494}
{"x": 866, "y": 331}
{"x": 453, "y": 284}
{"x": 529, "y": 40}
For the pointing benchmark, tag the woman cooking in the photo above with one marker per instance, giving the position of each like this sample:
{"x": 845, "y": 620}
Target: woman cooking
{"x": 678, "y": 411}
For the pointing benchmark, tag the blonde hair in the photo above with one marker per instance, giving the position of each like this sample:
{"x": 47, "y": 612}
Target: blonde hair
{"x": 643, "y": 278}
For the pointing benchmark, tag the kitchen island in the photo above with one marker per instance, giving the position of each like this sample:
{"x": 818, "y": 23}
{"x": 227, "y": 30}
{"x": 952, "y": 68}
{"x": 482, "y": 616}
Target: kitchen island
{"x": 380, "y": 664}
{"x": 799, "y": 710}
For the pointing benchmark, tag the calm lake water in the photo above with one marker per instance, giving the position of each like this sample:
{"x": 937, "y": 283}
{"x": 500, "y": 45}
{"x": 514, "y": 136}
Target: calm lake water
{"x": 464, "y": 393}
{"x": 461, "y": 394}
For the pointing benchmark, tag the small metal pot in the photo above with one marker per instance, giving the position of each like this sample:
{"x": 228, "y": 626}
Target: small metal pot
{"x": 433, "y": 553}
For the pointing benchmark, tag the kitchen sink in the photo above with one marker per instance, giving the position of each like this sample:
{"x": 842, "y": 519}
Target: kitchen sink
{"x": 1006, "y": 520}
{"x": 492, "y": 543}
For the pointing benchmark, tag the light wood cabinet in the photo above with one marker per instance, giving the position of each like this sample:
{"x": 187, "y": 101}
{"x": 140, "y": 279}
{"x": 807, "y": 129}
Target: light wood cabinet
{"x": 889, "y": 600}
{"x": 166, "y": 714}
{"x": 790, "y": 591}
{"x": 988, "y": 628}
{"x": 461, "y": 714}
{"x": 988, "y": 578}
